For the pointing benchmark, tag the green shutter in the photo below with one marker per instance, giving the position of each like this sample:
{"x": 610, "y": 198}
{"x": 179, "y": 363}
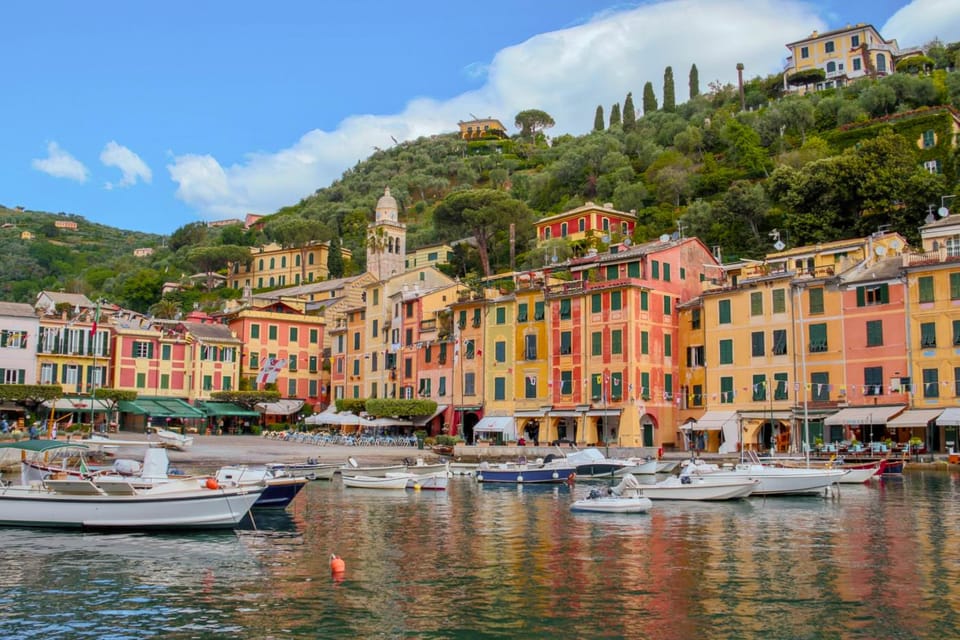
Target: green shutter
{"x": 644, "y": 301}
{"x": 596, "y": 303}
{"x": 596, "y": 339}
{"x": 723, "y": 311}
{"x": 633, "y": 269}
{"x": 616, "y": 341}
{"x": 644, "y": 342}
{"x": 756, "y": 303}
{"x": 861, "y": 296}
{"x": 779, "y": 300}
{"x": 955, "y": 286}
{"x": 925, "y": 285}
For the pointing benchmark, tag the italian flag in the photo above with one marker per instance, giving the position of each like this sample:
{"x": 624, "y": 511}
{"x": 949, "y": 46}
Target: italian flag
{"x": 96, "y": 319}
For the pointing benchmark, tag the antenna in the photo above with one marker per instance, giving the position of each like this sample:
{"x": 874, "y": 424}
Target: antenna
{"x": 473, "y": 116}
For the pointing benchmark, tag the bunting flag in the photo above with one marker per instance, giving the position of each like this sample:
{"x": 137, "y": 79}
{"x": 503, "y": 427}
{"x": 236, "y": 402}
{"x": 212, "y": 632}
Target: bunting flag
{"x": 270, "y": 370}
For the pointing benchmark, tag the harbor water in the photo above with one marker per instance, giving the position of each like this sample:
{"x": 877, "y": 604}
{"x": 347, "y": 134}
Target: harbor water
{"x": 479, "y": 561}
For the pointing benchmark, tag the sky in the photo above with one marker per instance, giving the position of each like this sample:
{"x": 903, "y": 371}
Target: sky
{"x": 148, "y": 116}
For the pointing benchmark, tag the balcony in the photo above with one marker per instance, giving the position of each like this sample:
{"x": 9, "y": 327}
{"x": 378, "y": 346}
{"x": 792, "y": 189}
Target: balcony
{"x": 937, "y": 256}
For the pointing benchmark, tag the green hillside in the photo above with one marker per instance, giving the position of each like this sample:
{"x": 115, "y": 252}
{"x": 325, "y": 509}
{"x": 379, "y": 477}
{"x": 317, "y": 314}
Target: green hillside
{"x": 834, "y": 164}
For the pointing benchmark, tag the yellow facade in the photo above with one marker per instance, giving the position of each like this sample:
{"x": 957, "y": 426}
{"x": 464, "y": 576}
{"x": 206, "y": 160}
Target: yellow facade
{"x": 844, "y": 55}
{"x": 272, "y": 265}
{"x": 429, "y": 256}
{"x": 481, "y": 128}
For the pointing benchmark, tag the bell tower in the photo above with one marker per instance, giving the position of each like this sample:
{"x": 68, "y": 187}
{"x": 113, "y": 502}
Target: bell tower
{"x": 386, "y": 240}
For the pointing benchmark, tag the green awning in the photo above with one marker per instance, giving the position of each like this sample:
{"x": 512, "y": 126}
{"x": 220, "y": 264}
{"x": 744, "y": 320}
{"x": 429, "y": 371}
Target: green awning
{"x": 226, "y": 409}
{"x": 160, "y": 408}
{"x": 41, "y": 445}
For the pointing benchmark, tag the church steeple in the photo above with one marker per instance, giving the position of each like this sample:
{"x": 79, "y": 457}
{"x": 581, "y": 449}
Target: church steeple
{"x": 386, "y": 240}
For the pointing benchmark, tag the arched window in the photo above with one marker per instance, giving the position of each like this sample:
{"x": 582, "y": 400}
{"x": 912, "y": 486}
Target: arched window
{"x": 296, "y": 260}
{"x": 310, "y": 258}
{"x": 260, "y": 264}
{"x": 881, "y": 63}
{"x": 271, "y": 281}
{"x": 283, "y": 262}
{"x": 273, "y": 263}
{"x": 831, "y": 67}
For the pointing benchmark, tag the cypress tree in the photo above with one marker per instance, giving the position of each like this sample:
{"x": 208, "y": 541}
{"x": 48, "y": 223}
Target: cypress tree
{"x": 649, "y": 99}
{"x": 598, "y": 119}
{"x": 615, "y": 114}
{"x": 694, "y": 82}
{"x": 334, "y": 259}
{"x": 669, "y": 95}
{"x": 629, "y": 113}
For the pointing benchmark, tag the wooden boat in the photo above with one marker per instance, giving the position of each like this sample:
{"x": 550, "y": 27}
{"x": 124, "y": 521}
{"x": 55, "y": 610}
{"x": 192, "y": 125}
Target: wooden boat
{"x": 311, "y": 469}
{"x": 442, "y": 449}
{"x": 173, "y": 440}
{"x": 354, "y": 468}
{"x": 524, "y": 473}
{"x": 428, "y": 482}
{"x": 857, "y": 472}
{"x": 892, "y": 466}
{"x": 422, "y": 468}
{"x": 395, "y": 480}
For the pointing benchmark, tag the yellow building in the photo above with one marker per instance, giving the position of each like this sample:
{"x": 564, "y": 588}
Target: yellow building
{"x": 482, "y": 128}
{"x": 429, "y": 256}
{"x": 589, "y": 222}
{"x": 843, "y": 54}
{"x": 272, "y": 265}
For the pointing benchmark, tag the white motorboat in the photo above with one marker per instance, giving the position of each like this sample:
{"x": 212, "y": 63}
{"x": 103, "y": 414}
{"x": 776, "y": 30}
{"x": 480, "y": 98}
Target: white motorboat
{"x": 690, "y": 487}
{"x": 311, "y": 469}
{"x": 667, "y": 466}
{"x": 173, "y": 440}
{"x": 354, "y": 468}
{"x": 422, "y": 468}
{"x": 856, "y": 473}
{"x": 436, "y": 481}
{"x": 391, "y": 480}
{"x": 640, "y": 467}
{"x": 279, "y": 490}
{"x": 610, "y": 501}
{"x": 773, "y": 480}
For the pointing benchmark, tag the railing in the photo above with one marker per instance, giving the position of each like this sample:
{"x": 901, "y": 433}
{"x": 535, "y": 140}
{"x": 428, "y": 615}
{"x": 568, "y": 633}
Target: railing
{"x": 931, "y": 257}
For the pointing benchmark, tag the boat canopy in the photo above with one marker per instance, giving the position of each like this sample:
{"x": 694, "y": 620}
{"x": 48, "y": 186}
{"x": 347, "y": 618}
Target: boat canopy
{"x": 41, "y": 445}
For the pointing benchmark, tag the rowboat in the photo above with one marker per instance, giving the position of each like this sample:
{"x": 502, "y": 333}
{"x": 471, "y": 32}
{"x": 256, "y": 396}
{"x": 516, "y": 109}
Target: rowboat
{"x": 173, "y": 440}
{"x": 396, "y": 480}
{"x": 311, "y": 469}
{"x": 354, "y": 468}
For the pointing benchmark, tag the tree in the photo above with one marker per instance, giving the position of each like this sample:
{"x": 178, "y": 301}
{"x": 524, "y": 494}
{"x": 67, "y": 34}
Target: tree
{"x": 598, "y": 119}
{"x": 694, "y": 82}
{"x": 669, "y": 92}
{"x": 484, "y": 214}
{"x": 806, "y": 77}
{"x": 211, "y": 259}
{"x": 629, "y": 114}
{"x": 299, "y": 233}
{"x": 188, "y": 235}
{"x": 334, "y": 259}
{"x": 532, "y": 121}
{"x": 615, "y": 115}
{"x": 649, "y": 99}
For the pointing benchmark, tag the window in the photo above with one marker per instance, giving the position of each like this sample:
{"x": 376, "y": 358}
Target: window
{"x": 255, "y": 360}
{"x": 818, "y": 338}
{"x": 667, "y": 345}
{"x": 872, "y": 381}
{"x": 142, "y": 349}
{"x": 928, "y": 334}
{"x": 294, "y": 334}
{"x": 756, "y": 344}
{"x": 779, "y": 342}
{"x": 644, "y": 342}
{"x": 644, "y": 301}
{"x": 666, "y": 272}
{"x": 272, "y": 332}
{"x": 668, "y": 386}
{"x": 726, "y": 390}
{"x": 779, "y": 299}
{"x": 695, "y": 318}
{"x": 356, "y": 341}
{"x": 165, "y": 381}
{"x": 616, "y": 300}
{"x": 566, "y": 383}
{"x": 932, "y": 166}
{"x": 856, "y": 63}
{"x": 726, "y": 351}
{"x": 616, "y": 342}
{"x": 759, "y": 387}
{"x": 929, "y": 139}
{"x": 723, "y": 311}
{"x": 501, "y": 315}
{"x": 566, "y": 343}
{"x": 645, "y": 385}
{"x": 666, "y": 305}
{"x": 931, "y": 383}
{"x": 874, "y": 333}
{"x": 442, "y": 386}
{"x": 956, "y": 333}
{"x": 596, "y": 386}
{"x": 409, "y": 309}
{"x": 563, "y": 229}
{"x": 855, "y": 41}
{"x": 956, "y": 381}
{"x": 470, "y": 349}
{"x": 462, "y": 321}
{"x": 375, "y": 330}
{"x": 522, "y": 309}
{"x": 804, "y": 52}
{"x": 695, "y": 356}
{"x": 780, "y": 386}
{"x": 500, "y": 351}
{"x": 530, "y": 346}
{"x": 166, "y": 351}
{"x": 499, "y": 388}
{"x": 616, "y": 386}
{"x": 141, "y": 379}
{"x": 356, "y": 367}
{"x": 831, "y": 66}
{"x": 538, "y": 311}
{"x": 596, "y": 303}
{"x": 596, "y": 343}
{"x": 873, "y": 294}
{"x": 408, "y": 368}
{"x": 829, "y": 47}
{"x": 530, "y": 386}
{"x": 696, "y": 398}
{"x": 756, "y": 303}
{"x": 613, "y": 272}
{"x": 633, "y": 269}
{"x": 655, "y": 269}
{"x": 565, "y": 309}
{"x": 955, "y": 286}
{"x": 816, "y": 300}
{"x": 820, "y": 386}
{"x": 925, "y": 287}
{"x": 477, "y": 318}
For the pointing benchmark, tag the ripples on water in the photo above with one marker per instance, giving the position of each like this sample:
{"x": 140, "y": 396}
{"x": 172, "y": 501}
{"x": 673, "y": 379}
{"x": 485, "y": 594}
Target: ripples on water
{"x": 507, "y": 562}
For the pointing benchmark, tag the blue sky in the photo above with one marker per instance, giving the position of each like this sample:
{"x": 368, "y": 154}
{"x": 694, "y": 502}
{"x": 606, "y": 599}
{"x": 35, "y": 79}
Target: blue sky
{"x": 151, "y": 115}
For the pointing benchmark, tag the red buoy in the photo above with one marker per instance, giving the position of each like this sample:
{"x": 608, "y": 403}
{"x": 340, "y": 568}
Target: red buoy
{"x": 337, "y": 565}
{"x": 212, "y": 483}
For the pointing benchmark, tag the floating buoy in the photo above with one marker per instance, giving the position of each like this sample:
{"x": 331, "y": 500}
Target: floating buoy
{"x": 572, "y": 478}
{"x": 212, "y": 483}
{"x": 337, "y": 565}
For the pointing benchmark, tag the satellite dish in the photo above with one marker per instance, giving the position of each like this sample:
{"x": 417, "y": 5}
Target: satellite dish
{"x": 675, "y": 235}
{"x": 896, "y": 244}
{"x": 665, "y": 237}
{"x": 929, "y": 219}
{"x": 943, "y": 212}
{"x": 778, "y": 245}
{"x": 627, "y": 242}
{"x": 880, "y": 250}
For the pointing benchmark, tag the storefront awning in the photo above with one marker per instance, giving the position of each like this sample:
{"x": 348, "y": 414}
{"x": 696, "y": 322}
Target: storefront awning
{"x": 950, "y": 417}
{"x": 501, "y": 424}
{"x": 913, "y": 418}
{"x": 160, "y": 408}
{"x": 766, "y": 415}
{"x": 216, "y": 409}
{"x": 530, "y": 413}
{"x": 280, "y": 407}
{"x": 713, "y": 421}
{"x": 863, "y": 415}
{"x": 76, "y": 404}
{"x": 422, "y": 421}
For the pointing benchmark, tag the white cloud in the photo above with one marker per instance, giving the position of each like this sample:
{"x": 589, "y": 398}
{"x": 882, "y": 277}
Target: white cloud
{"x": 60, "y": 164}
{"x": 566, "y": 73}
{"x": 129, "y": 163}
{"x": 920, "y": 21}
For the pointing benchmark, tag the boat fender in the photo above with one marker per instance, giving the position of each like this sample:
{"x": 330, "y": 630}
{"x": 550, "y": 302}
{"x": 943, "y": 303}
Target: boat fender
{"x": 572, "y": 478}
{"x": 212, "y": 483}
{"x": 337, "y": 565}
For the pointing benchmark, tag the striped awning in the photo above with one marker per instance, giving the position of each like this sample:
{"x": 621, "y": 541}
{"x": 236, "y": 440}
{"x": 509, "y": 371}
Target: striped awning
{"x": 863, "y": 415}
{"x": 913, "y": 418}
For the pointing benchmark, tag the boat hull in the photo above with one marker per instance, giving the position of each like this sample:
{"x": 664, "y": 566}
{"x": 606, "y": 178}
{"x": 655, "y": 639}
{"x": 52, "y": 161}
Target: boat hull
{"x": 371, "y": 472}
{"x": 308, "y": 470}
{"x": 518, "y": 474}
{"x": 184, "y": 509}
{"x": 777, "y": 480}
{"x": 429, "y": 482}
{"x": 278, "y": 493}
{"x": 676, "y": 489}
{"x": 397, "y": 481}
{"x": 613, "y": 504}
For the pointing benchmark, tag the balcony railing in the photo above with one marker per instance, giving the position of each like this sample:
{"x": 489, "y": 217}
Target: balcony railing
{"x": 936, "y": 256}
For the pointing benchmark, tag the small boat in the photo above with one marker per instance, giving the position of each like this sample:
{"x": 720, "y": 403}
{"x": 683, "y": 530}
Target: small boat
{"x": 422, "y": 468}
{"x": 524, "y": 473}
{"x": 688, "y": 487}
{"x": 667, "y": 466}
{"x": 311, "y": 469}
{"x": 857, "y": 472}
{"x": 773, "y": 480}
{"x": 892, "y": 466}
{"x": 443, "y": 449}
{"x": 354, "y": 468}
{"x": 173, "y": 440}
{"x": 279, "y": 490}
{"x": 394, "y": 480}
{"x": 428, "y": 482}
{"x": 617, "y": 499}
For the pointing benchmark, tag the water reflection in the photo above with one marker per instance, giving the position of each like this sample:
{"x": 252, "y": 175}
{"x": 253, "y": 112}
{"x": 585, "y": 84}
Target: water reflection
{"x": 504, "y": 562}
